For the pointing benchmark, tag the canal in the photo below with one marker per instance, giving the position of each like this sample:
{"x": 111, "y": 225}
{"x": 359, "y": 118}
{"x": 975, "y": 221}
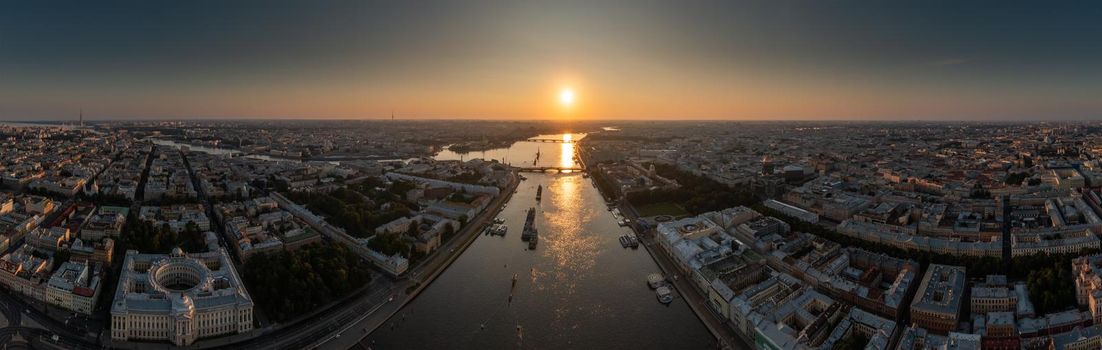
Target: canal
{"x": 577, "y": 289}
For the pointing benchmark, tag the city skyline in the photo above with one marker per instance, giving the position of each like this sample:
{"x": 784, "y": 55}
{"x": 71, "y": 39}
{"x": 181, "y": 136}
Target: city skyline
{"x": 619, "y": 60}
{"x": 334, "y": 235}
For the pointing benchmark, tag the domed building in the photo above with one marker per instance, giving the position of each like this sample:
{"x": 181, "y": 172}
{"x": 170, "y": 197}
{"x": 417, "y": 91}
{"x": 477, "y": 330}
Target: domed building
{"x": 179, "y": 298}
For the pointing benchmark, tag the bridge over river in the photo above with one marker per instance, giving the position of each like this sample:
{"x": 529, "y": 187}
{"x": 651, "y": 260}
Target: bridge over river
{"x": 549, "y": 140}
{"x": 541, "y": 169}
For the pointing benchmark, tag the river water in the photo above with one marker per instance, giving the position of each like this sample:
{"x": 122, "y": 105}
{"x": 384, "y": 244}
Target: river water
{"x": 578, "y": 289}
{"x": 217, "y": 151}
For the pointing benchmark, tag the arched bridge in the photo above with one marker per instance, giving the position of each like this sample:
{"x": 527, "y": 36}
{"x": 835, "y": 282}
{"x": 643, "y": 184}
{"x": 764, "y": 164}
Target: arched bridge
{"x": 550, "y": 140}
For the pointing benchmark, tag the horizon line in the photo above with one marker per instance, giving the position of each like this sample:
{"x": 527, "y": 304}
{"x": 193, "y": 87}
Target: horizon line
{"x": 639, "y": 119}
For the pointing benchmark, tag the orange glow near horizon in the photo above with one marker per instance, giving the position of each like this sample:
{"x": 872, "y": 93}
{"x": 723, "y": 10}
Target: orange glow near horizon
{"x": 539, "y": 95}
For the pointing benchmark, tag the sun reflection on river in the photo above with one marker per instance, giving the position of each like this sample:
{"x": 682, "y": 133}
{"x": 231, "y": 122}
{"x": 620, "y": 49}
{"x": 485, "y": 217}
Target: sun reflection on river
{"x": 578, "y": 281}
{"x": 566, "y": 157}
{"x": 572, "y": 251}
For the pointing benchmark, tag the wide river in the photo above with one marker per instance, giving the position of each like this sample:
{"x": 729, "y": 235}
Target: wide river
{"x": 579, "y": 289}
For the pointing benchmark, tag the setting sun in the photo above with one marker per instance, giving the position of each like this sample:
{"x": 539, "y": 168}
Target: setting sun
{"x": 566, "y": 97}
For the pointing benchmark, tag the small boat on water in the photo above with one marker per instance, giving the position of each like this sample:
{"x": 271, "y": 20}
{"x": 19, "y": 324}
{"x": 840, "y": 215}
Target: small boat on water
{"x": 629, "y": 241}
{"x": 539, "y": 192}
{"x": 497, "y": 230}
{"x": 665, "y": 295}
{"x": 655, "y": 280}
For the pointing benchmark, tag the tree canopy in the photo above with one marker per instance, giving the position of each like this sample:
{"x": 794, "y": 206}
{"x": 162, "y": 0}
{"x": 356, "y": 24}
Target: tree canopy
{"x": 389, "y": 244}
{"x": 350, "y": 210}
{"x": 147, "y": 237}
{"x": 697, "y": 194}
{"x": 290, "y": 284}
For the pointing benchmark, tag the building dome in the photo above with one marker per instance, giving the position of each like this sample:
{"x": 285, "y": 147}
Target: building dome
{"x": 182, "y": 306}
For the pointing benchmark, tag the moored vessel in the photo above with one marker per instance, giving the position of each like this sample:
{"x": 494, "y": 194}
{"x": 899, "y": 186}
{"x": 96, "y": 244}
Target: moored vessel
{"x": 655, "y": 280}
{"x": 665, "y": 295}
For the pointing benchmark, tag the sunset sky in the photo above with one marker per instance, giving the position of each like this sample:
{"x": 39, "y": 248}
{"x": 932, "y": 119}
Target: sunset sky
{"x": 760, "y": 60}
